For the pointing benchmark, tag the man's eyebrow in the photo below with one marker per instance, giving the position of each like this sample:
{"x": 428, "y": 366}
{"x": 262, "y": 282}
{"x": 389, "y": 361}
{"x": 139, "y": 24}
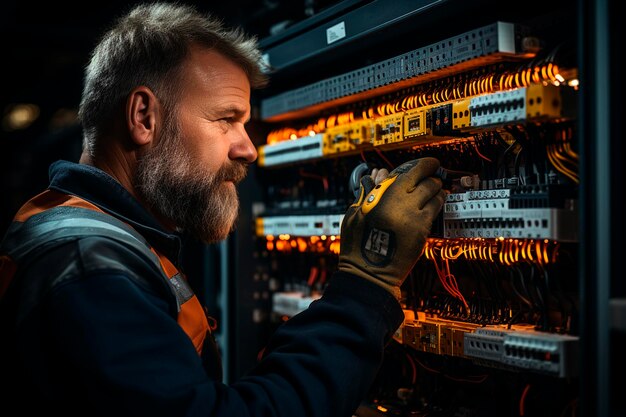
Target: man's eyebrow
{"x": 239, "y": 112}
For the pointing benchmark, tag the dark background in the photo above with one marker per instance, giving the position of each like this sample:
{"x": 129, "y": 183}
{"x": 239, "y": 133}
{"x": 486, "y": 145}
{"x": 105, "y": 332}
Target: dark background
{"x": 44, "y": 48}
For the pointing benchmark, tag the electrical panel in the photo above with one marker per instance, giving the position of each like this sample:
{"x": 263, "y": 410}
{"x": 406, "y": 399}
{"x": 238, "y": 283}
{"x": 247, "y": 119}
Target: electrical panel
{"x": 491, "y": 308}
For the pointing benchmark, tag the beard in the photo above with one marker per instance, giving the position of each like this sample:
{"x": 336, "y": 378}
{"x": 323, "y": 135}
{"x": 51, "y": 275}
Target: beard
{"x": 175, "y": 186}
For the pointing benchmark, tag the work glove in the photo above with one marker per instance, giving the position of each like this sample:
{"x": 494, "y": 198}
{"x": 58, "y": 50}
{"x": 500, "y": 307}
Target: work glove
{"x": 383, "y": 233}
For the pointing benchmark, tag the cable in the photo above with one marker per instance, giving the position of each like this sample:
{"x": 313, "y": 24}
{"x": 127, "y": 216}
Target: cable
{"x": 479, "y": 378}
{"x": 324, "y": 179}
{"x": 384, "y": 158}
{"x": 522, "y": 400}
{"x": 573, "y": 405}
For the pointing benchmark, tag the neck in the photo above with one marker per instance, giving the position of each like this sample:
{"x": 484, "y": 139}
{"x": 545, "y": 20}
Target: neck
{"x": 115, "y": 164}
{"x": 122, "y": 171}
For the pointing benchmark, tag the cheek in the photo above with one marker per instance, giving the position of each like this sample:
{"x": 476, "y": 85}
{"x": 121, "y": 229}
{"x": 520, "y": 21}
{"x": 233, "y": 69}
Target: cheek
{"x": 207, "y": 146}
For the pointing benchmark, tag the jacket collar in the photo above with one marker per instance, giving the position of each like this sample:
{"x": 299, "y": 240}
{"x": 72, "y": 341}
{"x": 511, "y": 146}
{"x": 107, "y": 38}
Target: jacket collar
{"x": 98, "y": 187}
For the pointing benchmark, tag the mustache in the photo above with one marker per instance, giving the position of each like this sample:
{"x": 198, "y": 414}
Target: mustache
{"x": 233, "y": 171}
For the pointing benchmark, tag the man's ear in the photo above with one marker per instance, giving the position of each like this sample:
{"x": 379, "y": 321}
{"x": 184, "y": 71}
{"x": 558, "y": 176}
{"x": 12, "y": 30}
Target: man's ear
{"x": 142, "y": 110}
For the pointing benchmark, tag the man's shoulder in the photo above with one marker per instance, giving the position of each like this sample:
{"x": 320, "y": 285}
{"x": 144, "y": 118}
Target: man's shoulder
{"x": 82, "y": 256}
{"x": 86, "y": 260}
{"x": 66, "y": 245}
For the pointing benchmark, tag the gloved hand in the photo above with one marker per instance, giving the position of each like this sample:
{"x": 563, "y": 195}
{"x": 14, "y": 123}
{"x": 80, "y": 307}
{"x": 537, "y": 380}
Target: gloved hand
{"x": 383, "y": 233}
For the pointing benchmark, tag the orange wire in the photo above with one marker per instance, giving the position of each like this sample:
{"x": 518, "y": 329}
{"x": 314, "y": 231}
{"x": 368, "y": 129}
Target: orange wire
{"x": 539, "y": 252}
{"x": 555, "y": 252}
{"x": 545, "y": 252}
{"x": 480, "y": 154}
{"x": 549, "y": 71}
{"x": 517, "y": 251}
{"x": 404, "y": 103}
{"x": 536, "y": 77}
{"x": 544, "y": 72}
{"x": 527, "y": 74}
{"x": 529, "y": 251}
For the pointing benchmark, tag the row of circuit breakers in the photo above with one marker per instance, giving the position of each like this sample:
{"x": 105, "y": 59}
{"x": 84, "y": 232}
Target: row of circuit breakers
{"x": 495, "y": 209}
{"x": 523, "y": 212}
{"x": 509, "y": 212}
{"x": 516, "y": 347}
{"x": 424, "y": 124}
{"x": 465, "y": 51}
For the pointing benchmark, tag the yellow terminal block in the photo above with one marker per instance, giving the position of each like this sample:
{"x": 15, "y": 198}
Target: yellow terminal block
{"x": 411, "y": 333}
{"x": 433, "y": 335}
{"x": 429, "y": 338}
{"x": 446, "y": 340}
{"x": 458, "y": 341}
{"x": 543, "y": 101}
{"x": 348, "y": 137}
{"x": 388, "y": 129}
{"x": 414, "y": 123}
{"x": 461, "y": 114}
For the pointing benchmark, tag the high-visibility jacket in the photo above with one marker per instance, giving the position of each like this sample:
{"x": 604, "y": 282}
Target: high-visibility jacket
{"x": 52, "y": 218}
{"x": 95, "y": 321}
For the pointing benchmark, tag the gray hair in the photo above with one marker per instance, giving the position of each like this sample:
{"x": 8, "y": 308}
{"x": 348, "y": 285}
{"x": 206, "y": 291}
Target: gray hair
{"x": 146, "y": 47}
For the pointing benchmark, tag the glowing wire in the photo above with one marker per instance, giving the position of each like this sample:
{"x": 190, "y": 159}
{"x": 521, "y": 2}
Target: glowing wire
{"x": 529, "y": 251}
{"x": 544, "y": 72}
{"x": 523, "y": 249}
{"x": 545, "y": 252}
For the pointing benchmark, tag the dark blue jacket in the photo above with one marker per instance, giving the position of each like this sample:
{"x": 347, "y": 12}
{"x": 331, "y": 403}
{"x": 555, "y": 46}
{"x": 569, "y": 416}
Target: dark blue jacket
{"x": 99, "y": 342}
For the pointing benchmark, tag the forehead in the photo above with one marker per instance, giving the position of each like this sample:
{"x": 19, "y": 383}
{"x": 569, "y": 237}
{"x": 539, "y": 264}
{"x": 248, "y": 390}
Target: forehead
{"x": 207, "y": 72}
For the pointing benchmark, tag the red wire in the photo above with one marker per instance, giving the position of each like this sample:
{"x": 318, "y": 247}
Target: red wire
{"x": 312, "y": 276}
{"x": 322, "y": 279}
{"x": 480, "y": 154}
{"x": 522, "y": 400}
{"x": 384, "y": 158}
{"x": 413, "y": 369}
{"x": 317, "y": 177}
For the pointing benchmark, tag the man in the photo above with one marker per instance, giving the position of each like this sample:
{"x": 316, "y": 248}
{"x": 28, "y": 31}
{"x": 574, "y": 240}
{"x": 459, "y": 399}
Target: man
{"x": 97, "y": 318}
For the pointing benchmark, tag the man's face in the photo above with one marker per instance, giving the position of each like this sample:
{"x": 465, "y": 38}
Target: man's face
{"x": 189, "y": 175}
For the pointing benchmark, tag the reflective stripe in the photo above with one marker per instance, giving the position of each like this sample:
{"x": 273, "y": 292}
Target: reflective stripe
{"x": 181, "y": 288}
{"x": 58, "y": 229}
{"x": 191, "y": 315}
